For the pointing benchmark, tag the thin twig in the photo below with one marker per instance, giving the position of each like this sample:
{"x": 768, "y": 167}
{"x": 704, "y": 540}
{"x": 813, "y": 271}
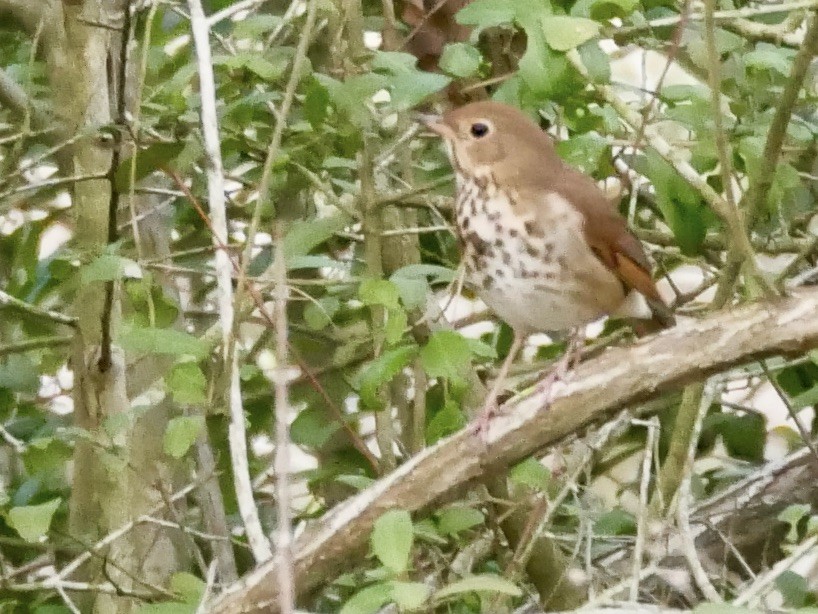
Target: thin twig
{"x": 284, "y": 543}
{"x": 652, "y": 426}
{"x": 112, "y": 537}
{"x": 746, "y": 12}
{"x": 684, "y": 503}
{"x": 55, "y": 316}
{"x": 259, "y": 544}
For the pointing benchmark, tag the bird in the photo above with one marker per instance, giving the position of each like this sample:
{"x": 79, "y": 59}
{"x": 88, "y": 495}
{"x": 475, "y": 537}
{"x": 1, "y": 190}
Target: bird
{"x": 543, "y": 246}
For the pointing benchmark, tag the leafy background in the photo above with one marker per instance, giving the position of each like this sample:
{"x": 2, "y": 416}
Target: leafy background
{"x": 360, "y": 204}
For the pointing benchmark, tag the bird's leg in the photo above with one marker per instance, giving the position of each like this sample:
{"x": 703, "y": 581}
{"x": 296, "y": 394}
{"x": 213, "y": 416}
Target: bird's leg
{"x": 562, "y": 368}
{"x": 490, "y": 406}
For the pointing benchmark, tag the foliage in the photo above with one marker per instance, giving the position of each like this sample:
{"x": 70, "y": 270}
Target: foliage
{"x": 364, "y": 207}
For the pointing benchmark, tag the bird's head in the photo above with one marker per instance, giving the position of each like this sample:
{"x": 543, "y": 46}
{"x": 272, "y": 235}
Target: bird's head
{"x": 491, "y": 138}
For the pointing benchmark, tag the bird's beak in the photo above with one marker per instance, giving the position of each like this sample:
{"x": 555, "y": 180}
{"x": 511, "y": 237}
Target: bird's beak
{"x": 435, "y": 124}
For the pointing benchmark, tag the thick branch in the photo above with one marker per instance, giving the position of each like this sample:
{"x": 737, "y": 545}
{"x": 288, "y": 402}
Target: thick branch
{"x": 621, "y": 376}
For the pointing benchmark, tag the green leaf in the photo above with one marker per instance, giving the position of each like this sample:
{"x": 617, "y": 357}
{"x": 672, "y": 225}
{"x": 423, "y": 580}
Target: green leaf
{"x": 312, "y": 428}
{"x": 481, "y": 350}
{"x": 563, "y": 33}
{"x": 793, "y": 515}
{"x": 445, "y": 422}
{"x": 453, "y": 520}
{"x": 485, "y": 13}
{"x": 447, "y": 354}
{"x": 255, "y": 25}
{"x": 793, "y": 587}
{"x": 351, "y": 96}
{"x": 413, "y": 282}
{"x": 546, "y": 72}
{"x": 305, "y": 235}
{"x": 596, "y": 62}
{"x": 396, "y": 323}
{"x": 460, "y": 59}
{"x": 368, "y": 600}
{"x": 744, "y": 436}
{"x": 108, "y": 267}
{"x": 187, "y": 383}
{"x": 316, "y": 103}
{"x": 255, "y": 63}
{"x": 602, "y": 10}
{"x": 19, "y": 374}
{"x": 162, "y": 341}
{"x": 531, "y": 473}
{"x": 807, "y": 398}
{"x": 188, "y": 586}
{"x": 153, "y": 157}
{"x": 409, "y": 595}
{"x": 615, "y": 522}
{"x": 358, "y": 482}
{"x": 585, "y": 151}
{"x": 682, "y": 92}
{"x": 32, "y": 521}
{"x": 318, "y": 315}
{"x": 379, "y": 292}
{"x": 482, "y": 583}
{"x": 392, "y": 539}
{"x": 681, "y": 207}
{"x": 380, "y": 371}
{"x": 769, "y": 57}
{"x": 408, "y": 90}
{"x": 181, "y": 433}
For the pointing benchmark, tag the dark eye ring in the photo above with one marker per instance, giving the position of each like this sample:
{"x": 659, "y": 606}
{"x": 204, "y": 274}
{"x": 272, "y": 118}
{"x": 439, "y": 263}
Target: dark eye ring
{"x": 479, "y": 130}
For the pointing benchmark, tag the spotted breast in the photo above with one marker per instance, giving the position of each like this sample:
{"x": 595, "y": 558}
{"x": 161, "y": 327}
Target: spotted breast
{"x": 534, "y": 272}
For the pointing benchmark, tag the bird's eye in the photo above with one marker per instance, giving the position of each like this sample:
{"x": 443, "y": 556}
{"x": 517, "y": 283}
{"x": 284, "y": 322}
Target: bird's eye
{"x": 479, "y": 130}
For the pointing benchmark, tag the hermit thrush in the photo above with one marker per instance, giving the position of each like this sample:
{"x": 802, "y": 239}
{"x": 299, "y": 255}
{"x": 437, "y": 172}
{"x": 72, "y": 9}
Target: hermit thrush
{"x": 542, "y": 245}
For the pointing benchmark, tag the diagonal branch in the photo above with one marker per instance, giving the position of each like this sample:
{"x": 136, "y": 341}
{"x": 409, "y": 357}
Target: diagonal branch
{"x": 619, "y": 377}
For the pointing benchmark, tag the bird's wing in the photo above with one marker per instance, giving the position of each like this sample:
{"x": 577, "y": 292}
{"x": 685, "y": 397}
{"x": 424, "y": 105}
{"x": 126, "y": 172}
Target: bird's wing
{"x": 610, "y": 239}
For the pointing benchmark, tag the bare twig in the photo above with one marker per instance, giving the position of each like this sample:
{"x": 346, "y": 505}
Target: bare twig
{"x": 259, "y": 544}
{"x": 94, "y": 550}
{"x": 652, "y": 427}
{"x": 36, "y": 343}
{"x": 746, "y": 12}
{"x": 284, "y": 543}
{"x": 8, "y": 300}
{"x": 684, "y": 502}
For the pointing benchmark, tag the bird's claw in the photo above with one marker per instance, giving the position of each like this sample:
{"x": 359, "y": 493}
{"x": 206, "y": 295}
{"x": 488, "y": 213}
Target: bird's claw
{"x": 480, "y": 426}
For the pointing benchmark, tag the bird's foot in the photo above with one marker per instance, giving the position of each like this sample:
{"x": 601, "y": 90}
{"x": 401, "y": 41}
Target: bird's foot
{"x": 562, "y": 371}
{"x": 480, "y": 426}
